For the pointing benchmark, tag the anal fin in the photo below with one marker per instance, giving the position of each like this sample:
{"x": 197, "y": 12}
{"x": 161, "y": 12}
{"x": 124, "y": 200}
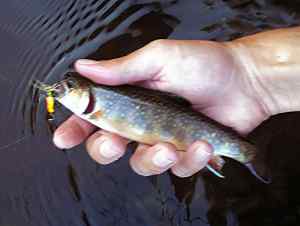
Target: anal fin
{"x": 215, "y": 166}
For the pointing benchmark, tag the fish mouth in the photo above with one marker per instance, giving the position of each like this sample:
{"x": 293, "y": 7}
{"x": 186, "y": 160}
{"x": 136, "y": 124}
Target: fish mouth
{"x": 60, "y": 89}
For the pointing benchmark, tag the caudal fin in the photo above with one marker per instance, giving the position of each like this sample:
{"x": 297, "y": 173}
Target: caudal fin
{"x": 259, "y": 169}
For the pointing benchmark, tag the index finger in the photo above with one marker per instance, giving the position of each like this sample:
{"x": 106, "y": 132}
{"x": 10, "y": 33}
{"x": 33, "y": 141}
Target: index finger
{"x": 72, "y": 132}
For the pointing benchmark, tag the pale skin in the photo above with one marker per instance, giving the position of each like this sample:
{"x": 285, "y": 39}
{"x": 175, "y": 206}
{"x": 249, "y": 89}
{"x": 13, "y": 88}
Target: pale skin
{"x": 239, "y": 83}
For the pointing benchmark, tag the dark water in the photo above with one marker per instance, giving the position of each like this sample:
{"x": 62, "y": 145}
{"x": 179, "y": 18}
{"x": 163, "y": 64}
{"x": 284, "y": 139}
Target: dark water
{"x": 40, "y": 39}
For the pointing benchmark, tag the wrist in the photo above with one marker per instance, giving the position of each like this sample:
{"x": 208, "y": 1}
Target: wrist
{"x": 271, "y": 64}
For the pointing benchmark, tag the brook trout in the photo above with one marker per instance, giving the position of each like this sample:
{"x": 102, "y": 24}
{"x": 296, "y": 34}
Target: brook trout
{"x": 149, "y": 117}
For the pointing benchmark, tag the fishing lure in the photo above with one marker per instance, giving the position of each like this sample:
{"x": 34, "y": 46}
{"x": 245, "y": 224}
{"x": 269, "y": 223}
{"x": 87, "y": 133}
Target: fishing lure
{"x": 50, "y": 105}
{"x": 49, "y": 100}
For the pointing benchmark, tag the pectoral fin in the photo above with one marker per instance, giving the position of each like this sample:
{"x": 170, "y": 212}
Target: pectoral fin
{"x": 97, "y": 115}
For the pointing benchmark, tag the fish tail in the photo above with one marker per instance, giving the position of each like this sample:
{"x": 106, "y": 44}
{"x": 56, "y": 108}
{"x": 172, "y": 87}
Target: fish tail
{"x": 259, "y": 169}
{"x": 256, "y": 165}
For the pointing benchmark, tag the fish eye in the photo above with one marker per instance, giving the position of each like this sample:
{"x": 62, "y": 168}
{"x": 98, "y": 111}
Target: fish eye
{"x": 71, "y": 83}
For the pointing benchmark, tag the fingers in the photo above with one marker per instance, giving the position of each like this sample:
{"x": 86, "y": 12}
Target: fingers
{"x": 147, "y": 160}
{"x": 106, "y": 147}
{"x": 194, "y": 159}
{"x": 72, "y": 132}
{"x": 159, "y": 158}
{"x": 140, "y": 65}
{"x": 153, "y": 160}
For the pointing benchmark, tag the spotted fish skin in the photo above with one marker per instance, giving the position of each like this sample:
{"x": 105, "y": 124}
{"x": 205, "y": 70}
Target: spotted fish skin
{"x": 142, "y": 115}
{"x": 149, "y": 117}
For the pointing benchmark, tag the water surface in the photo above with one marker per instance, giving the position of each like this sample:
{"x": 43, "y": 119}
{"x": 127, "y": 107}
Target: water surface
{"x": 40, "y": 39}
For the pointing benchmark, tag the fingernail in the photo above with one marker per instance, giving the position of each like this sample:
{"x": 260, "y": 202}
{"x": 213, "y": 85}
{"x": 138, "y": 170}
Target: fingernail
{"x": 164, "y": 158}
{"x": 60, "y": 141}
{"x": 202, "y": 155}
{"x": 86, "y": 62}
{"x": 90, "y": 67}
{"x": 181, "y": 172}
{"x": 109, "y": 151}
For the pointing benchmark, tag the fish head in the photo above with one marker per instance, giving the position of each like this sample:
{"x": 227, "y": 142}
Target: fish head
{"x": 73, "y": 93}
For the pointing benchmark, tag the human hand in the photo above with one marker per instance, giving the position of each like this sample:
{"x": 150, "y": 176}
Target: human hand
{"x": 208, "y": 74}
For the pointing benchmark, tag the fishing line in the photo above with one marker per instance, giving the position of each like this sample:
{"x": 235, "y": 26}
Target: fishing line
{"x": 35, "y": 85}
{"x": 15, "y": 142}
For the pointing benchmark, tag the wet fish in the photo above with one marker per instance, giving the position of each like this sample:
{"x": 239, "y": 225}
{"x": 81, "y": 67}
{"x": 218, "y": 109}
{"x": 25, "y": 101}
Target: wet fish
{"x": 149, "y": 116}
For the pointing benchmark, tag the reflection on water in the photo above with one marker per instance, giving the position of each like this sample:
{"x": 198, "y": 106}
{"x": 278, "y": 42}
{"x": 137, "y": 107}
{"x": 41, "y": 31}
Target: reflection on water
{"x": 40, "y": 39}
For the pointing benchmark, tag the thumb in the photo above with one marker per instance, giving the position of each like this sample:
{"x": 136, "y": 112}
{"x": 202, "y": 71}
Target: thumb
{"x": 140, "y": 65}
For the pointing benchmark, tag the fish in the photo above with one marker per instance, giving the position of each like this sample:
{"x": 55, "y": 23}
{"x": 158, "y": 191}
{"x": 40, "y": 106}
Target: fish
{"x": 150, "y": 116}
